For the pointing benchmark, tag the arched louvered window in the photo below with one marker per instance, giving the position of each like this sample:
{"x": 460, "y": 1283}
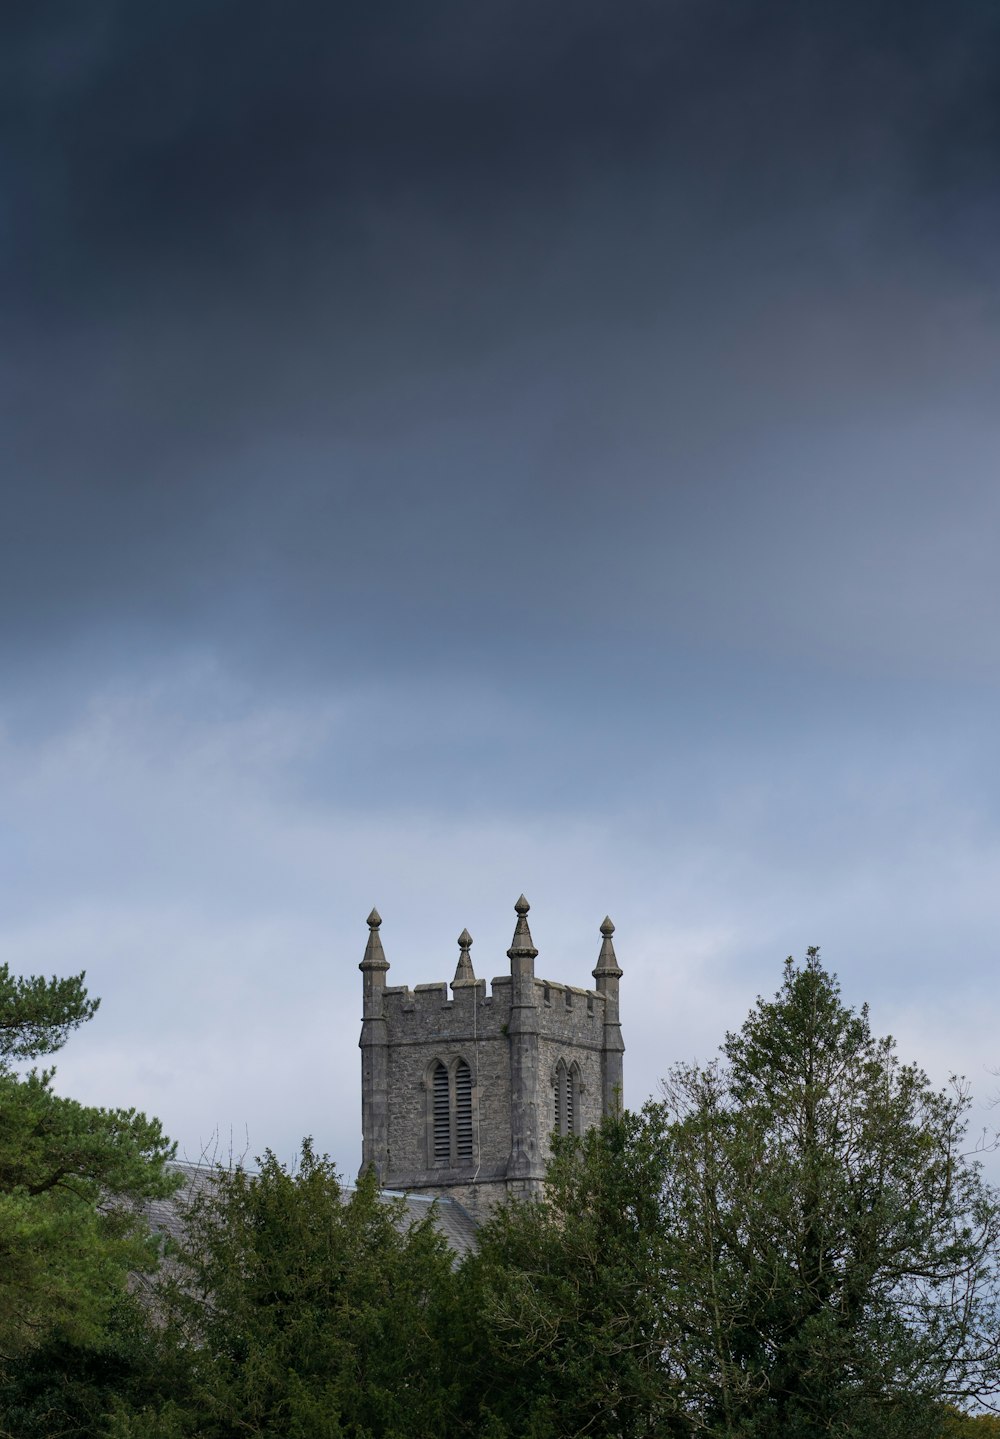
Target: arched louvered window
{"x": 441, "y": 1114}
{"x": 463, "y": 1112}
{"x": 566, "y": 1098}
{"x": 450, "y": 1136}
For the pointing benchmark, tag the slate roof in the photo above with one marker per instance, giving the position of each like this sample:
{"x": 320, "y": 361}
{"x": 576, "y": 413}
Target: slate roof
{"x": 166, "y": 1216}
{"x": 450, "y": 1219}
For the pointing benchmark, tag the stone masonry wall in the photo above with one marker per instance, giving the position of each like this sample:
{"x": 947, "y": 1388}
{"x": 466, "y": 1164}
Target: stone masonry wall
{"x": 425, "y": 1025}
{"x": 573, "y": 1032}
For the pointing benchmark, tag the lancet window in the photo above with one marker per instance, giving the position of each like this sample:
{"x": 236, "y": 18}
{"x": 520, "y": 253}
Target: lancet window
{"x": 566, "y": 1098}
{"x": 451, "y": 1113}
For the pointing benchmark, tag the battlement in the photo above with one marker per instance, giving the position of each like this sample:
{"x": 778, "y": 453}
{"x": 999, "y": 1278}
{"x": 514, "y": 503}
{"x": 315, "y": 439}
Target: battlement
{"x": 549, "y": 994}
{"x": 400, "y": 999}
{"x": 553, "y": 993}
{"x": 428, "y": 1013}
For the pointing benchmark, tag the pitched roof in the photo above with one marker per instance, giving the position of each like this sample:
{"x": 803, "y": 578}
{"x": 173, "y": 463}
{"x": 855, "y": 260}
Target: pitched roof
{"x": 452, "y": 1221}
{"x": 166, "y": 1216}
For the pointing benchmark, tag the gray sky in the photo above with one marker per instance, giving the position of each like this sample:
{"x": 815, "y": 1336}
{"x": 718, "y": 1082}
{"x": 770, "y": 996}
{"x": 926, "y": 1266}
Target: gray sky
{"x": 450, "y": 450}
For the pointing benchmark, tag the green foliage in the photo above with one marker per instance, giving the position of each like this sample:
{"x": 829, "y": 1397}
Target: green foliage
{"x": 66, "y": 1390}
{"x": 37, "y": 1015}
{"x": 564, "y": 1306}
{"x": 304, "y": 1313}
{"x": 957, "y": 1425}
{"x": 791, "y": 1243}
{"x": 69, "y": 1179}
{"x": 837, "y": 1249}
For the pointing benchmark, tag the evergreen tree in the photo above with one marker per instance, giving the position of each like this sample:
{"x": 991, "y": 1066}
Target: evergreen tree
{"x": 837, "y": 1248}
{"x": 566, "y": 1313}
{"x": 71, "y": 1390}
{"x": 71, "y": 1180}
{"x": 298, "y": 1311}
{"x": 792, "y": 1243}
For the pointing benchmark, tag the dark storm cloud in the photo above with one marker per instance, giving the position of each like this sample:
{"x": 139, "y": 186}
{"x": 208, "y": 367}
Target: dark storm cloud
{"x": 389, "y": 327}
{"x": 145, "y": 134}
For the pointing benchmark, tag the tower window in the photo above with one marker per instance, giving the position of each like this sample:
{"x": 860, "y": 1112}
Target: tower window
{"x": 442, "y": 1115}
{"x": 450, "y": 1137}
{"x": 463, "y": 1112}
{"x": 566, "y": 1098}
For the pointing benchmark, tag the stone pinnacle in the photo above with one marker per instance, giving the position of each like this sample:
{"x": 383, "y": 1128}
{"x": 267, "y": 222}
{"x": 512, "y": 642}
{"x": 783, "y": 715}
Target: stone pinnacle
{"x": 522, "y": 946}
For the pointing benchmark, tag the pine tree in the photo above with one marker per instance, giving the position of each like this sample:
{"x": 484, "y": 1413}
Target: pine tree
{"x": 72, "y": 1178}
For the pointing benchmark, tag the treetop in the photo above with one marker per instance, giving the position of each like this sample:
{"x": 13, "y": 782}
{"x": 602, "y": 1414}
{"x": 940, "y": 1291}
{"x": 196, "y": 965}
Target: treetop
{"x": 37, "y": 1015}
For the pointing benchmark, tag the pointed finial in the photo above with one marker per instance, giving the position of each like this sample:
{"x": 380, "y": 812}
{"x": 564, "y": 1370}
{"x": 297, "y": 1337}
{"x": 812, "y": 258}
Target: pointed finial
{"x": 374, "y": 954}
{"x": 521, "y": 946}
{"x": 464, "y": 973}
{"x": 607, "y": 960}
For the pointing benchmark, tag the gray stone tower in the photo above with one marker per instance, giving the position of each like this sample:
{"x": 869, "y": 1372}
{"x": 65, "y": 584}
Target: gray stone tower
{"x": 460, "y": 1095}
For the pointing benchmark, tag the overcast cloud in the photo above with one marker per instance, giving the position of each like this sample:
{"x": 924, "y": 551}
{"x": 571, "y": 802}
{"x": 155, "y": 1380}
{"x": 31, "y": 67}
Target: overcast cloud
{"x": 450, "y": 450}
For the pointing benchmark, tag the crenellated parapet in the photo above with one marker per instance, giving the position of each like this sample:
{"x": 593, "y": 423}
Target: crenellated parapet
{"x": 428, "y": 1010}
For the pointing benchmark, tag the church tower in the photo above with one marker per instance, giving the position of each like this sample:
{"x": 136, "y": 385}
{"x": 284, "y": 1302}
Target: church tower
{"x": 461, "y": 1094}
